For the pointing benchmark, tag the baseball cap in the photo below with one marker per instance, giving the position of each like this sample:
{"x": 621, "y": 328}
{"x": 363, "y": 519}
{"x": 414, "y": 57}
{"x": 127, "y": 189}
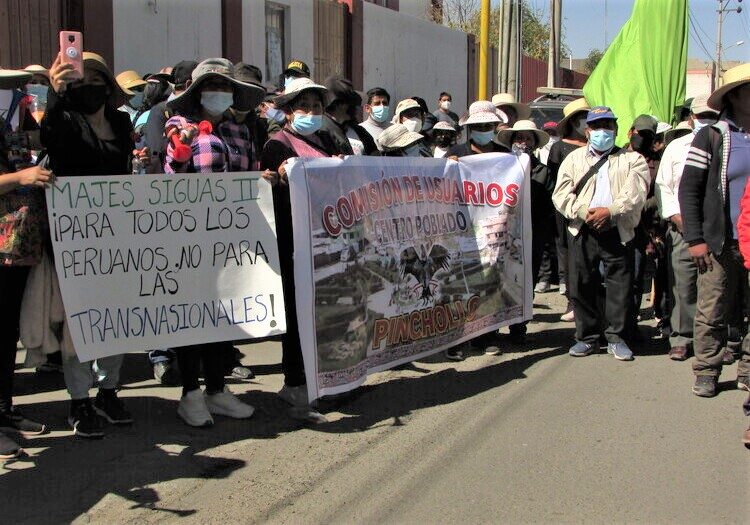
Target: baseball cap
{"x": 600, "y": 112}
{"x": 299, "y": 67}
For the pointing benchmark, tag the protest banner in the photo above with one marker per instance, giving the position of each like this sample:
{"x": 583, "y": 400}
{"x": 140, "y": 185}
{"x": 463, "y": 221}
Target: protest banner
{"x": 399, "y": 258}
{"x": 161, "y": 261}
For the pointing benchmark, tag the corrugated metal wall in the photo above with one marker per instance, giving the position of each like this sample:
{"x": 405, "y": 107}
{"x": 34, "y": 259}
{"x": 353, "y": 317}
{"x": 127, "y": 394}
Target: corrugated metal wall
{"x": 534, "y": 75}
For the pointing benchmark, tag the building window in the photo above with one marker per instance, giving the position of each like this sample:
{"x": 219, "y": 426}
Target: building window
{"x": 275, "y": 41}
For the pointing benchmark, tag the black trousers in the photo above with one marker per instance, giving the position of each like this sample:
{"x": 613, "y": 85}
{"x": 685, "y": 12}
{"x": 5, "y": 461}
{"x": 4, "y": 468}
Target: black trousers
{"x": 586, "y": 251}
{"x": 213, "y": 357}
{"x": 12, "y": 285}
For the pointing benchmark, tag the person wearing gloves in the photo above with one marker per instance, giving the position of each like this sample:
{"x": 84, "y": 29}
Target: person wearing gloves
{"x": 85, "y": 134}
{"x": 601, "y": 190}
{"x": 303, "y": 102}
{"x": 228, "y": 147}
{"x": 397, "y": 141}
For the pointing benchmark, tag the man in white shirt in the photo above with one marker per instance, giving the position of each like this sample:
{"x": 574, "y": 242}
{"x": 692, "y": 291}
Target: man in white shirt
{"x": 601, "y": 190}
{"x": 683, "y": 273}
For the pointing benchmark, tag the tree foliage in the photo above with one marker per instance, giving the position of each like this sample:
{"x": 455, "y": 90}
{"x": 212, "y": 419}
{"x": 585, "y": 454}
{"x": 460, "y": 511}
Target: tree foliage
{"x": 465, "y": 15}
{"x": 595, "y": 55}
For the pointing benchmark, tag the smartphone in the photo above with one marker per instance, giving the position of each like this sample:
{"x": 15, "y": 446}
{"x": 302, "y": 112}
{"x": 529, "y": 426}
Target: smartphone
{"x": 71, "y": 52}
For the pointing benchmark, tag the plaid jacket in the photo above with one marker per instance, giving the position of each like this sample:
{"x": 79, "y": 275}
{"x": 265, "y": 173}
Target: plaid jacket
{"x": 228, "y": 148}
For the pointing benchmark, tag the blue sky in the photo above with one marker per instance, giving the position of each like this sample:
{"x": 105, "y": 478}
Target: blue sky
{"x": 584, "y": 27}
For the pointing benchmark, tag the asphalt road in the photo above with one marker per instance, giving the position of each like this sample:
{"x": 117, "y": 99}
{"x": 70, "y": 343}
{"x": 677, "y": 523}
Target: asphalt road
{"x": 531, "y": 436}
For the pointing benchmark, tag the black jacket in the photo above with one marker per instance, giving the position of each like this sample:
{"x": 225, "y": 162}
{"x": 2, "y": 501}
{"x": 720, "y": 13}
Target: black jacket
{"x": 338, "y": 133}
{"x": 703, "y": 189}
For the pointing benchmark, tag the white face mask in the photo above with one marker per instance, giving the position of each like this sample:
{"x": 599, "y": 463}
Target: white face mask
{"x": 216, "y": 102}
{"x": 700, "y": 123}
{"x": 446, "y": 105}
{"x": 552, "y": 140}
{"x": 413, "y": 124}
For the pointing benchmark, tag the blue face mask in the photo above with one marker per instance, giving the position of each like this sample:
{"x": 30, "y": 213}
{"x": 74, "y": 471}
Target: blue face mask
{"x": 305, "y": 124}
{"x": 287, "y": 81}
{"x": 602, "y": 139}
{"x": 276, "y": 114}
{"x": 700, "y": 123}
{"x": 482, "y": 137}
{"x": 380, "y": 113}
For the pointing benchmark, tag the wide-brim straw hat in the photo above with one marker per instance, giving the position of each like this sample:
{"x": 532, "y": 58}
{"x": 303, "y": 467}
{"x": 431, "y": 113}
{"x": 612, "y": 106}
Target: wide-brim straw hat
{"x": 13, "y": 78}
{"x": 407, "y": 103}
{"x": 95, "y": 62}
{"x": 188, "y": 101}
{"x": 505, "y": 136}
{"x": 297, "y": 87}
{"x": 443, "y": 126}
{"x": 397, "y": 137}
{"x": 506, "y": 99}
{"x": 480, "y": 112}
{"x": 572, "y": 109}
{"x": 129, "y": 80}
{"x": 699, "y": 104}
{"x": 733, "y": 78}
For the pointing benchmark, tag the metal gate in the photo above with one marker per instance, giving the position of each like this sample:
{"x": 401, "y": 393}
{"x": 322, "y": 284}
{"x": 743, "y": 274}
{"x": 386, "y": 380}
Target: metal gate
{"x": 28, "y": 32}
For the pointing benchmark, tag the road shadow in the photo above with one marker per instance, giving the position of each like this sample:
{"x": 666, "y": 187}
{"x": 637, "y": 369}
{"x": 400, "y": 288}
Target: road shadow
{"x": 372, "y": 405}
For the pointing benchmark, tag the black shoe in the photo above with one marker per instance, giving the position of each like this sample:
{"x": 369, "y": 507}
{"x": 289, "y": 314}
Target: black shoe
{"x": 84, "y": 421}
{"x": 166, "y": 373}
{"x": 14, "y": 421}
{"x": 705, "y": 386}
{"x": 110, "y": 408}
{"x": 454, "y": 354}
{"x": 9, "y": 449}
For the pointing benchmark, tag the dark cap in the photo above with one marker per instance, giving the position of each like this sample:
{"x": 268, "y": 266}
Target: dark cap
{"x": 341, "y": 89}
{"x": 645, "y": 123}
{"x": 248, "y": 73}
{"x": 182, "y": 72}
{"x": 298, "y": 67}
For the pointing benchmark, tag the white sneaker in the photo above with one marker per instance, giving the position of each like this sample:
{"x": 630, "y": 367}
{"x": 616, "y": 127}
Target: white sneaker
{"x": 193, "y": 411}
{"x": 227, "y": 404}
{"x": 542, "y": 287}
{"x": 569, "y": 316}
{"x": 294, "y": 395}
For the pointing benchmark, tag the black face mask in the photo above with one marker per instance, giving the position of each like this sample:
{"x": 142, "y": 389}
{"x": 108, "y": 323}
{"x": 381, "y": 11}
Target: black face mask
{"x": 641, "y": 144}
{"x": 87, "y": 99}
{"x": 443, "y": 141}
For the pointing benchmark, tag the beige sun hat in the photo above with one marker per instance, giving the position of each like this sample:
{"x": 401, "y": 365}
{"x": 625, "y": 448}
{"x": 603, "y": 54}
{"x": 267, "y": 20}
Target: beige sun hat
{"x": 129, "y": 80}
{"x": 500, "y": 100}
{"x": 683, "y": 128}
{"x": 407, "y": 103}
{"x": 505, "y": 136}
{"x": 662, "y": 127}
{"x": 700, "y": 105}
{"x": 296, "y": 87}
{"x": 95, "y": 62}
{"x": 442, "y": 125}
{"x": 397, "y": 137}
{"x": 573, "y": 108}
{"x": 13, "y": 78}
{"x": 36, "y": 69}
{"x": 480, "y": 112}
{"x": 733, "y": 78}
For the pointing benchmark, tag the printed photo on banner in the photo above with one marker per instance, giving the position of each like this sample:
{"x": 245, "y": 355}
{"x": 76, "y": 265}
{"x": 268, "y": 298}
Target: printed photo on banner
{"x": 405, "y": 258}
{"x": 165, "y": 260}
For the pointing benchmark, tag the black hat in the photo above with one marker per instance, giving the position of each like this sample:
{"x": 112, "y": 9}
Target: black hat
{"x": 341, "y": 89}
{"x": 298, "y": 67}
{"x": 646, "y": 123}
{"x": 248, "y": 73}
{"x": 182, "y": 72}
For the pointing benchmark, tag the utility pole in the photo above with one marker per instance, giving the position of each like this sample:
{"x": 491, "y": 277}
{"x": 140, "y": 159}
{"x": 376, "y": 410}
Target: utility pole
{"x": 509, "y": 44}
{"x": 722, "y": 9}
{"x": 484, "y": 49}
{"x": 553, "y": 59}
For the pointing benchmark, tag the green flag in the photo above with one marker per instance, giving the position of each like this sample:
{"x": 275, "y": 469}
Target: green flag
{"x": 644, "y": 69}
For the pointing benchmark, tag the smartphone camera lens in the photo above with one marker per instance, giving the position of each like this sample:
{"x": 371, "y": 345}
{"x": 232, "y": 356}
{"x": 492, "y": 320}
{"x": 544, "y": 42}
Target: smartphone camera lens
{"x": 71, "y": 52}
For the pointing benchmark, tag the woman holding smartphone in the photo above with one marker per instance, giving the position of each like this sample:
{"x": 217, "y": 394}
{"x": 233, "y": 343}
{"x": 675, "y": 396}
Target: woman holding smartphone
{"x": 85, "y": 134}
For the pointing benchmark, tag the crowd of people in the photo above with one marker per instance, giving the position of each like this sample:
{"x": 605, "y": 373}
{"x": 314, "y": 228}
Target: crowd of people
{"x": 671, "y": 200}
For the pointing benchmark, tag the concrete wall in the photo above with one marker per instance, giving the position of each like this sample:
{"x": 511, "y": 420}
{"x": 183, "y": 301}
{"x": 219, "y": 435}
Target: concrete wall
{"x": 419, "y": 8}
{"x": 148, "y": 39}
{"x": 698, "y": 83}
{"x": 410, "y": 56}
